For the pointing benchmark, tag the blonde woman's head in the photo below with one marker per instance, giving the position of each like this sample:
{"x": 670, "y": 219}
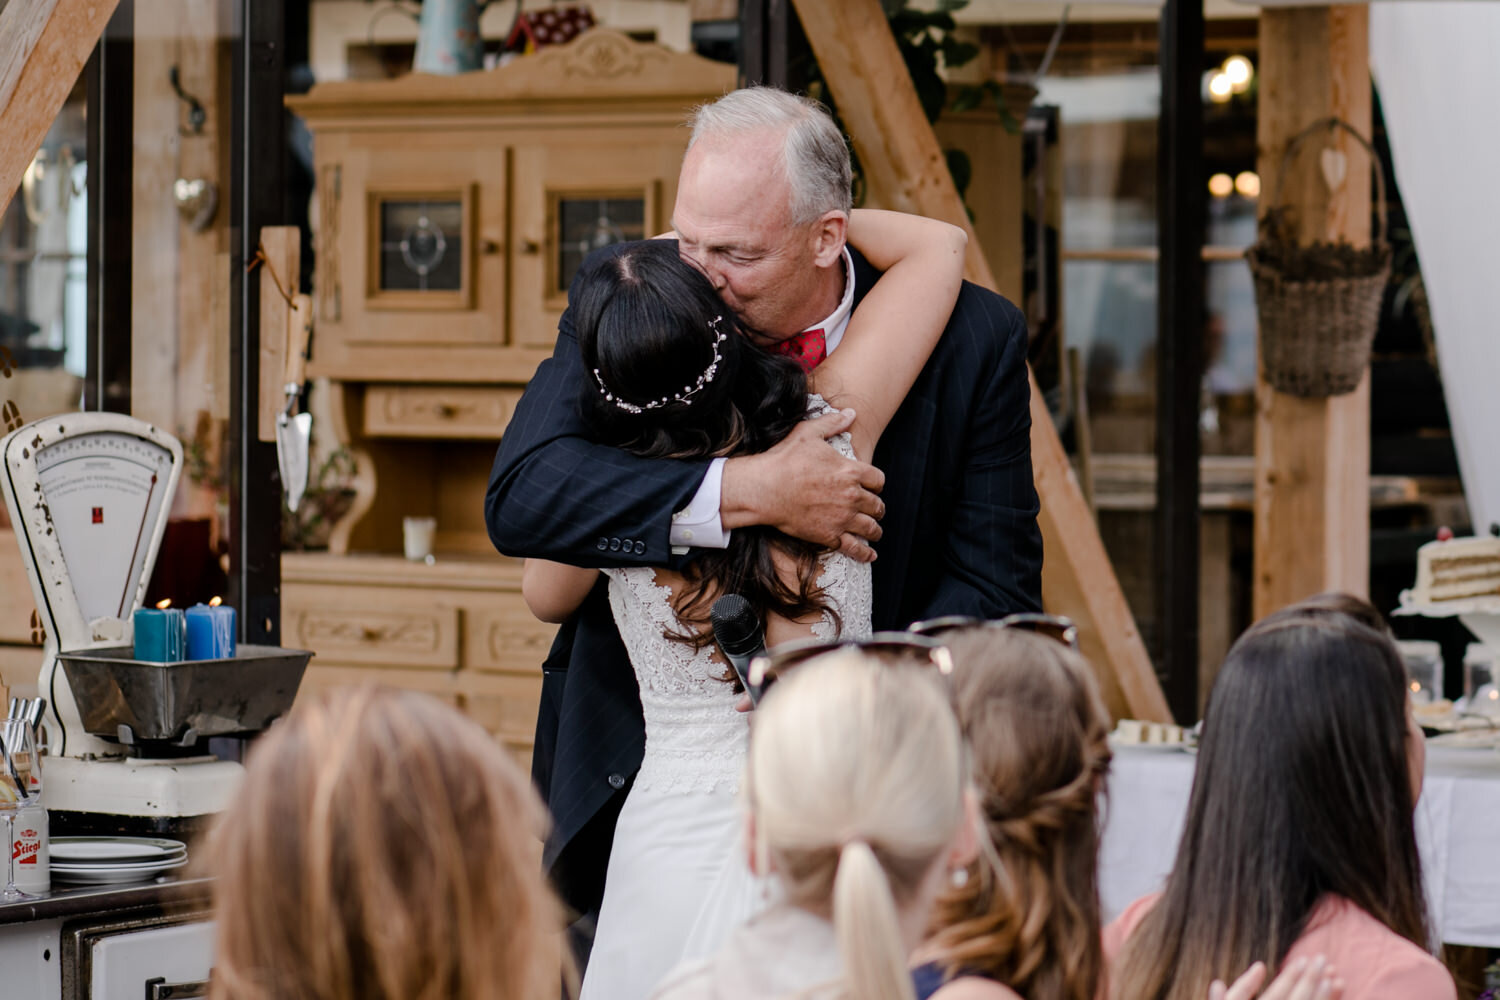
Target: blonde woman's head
{"x": 856, "y": 786}
{"x": 382, "y": 847}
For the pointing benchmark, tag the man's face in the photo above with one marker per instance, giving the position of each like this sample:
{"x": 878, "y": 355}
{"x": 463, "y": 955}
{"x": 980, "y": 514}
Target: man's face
{"x": 733, "y": 221}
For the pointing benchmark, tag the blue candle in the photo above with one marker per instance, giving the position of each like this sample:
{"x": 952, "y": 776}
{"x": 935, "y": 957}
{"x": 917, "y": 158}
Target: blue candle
{"x": 160, "y": 635}
{"x": 210, "y": 632}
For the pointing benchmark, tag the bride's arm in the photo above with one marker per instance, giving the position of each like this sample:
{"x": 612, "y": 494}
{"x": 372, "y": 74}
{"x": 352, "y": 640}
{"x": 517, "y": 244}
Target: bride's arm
{"x": 553, "y": 591}
{"x": 897, "y": 325}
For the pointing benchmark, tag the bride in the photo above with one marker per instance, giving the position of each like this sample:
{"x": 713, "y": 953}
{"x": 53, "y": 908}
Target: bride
{"x": 675, "y": 376}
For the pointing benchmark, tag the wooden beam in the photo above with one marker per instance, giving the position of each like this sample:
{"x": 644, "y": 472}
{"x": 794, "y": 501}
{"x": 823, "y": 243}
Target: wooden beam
{"x": 43, "y": 46}
{"x": 1312, "y": 456}
{"x": 905, "y": 169}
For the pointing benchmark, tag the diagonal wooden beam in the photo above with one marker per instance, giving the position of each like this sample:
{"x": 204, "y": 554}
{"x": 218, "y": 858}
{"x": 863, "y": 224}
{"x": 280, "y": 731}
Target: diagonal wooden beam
{"x": 44, "y": 44}
{"x": 905, "y": 169}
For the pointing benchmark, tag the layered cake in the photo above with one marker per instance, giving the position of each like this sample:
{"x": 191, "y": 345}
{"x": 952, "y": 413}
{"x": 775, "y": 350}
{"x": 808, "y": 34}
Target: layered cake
{"x": 1457, "y": 568}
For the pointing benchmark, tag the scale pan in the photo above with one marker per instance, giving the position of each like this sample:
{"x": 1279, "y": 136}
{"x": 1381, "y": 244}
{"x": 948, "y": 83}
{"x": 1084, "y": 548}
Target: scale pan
{"x": 132, "y": 700}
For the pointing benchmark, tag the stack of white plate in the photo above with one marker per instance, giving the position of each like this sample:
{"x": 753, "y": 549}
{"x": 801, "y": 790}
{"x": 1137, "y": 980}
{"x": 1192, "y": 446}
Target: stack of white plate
{"x": 113, "y": 860}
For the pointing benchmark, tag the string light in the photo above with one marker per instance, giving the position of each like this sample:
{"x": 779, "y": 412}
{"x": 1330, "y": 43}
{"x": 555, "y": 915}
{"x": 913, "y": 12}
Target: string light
{"x": 1239, "y": 71}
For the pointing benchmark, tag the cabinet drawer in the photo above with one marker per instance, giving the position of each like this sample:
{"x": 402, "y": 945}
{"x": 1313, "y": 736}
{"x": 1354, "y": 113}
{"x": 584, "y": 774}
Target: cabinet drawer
{"x": 318, "y": 679}
{"x": 438, "y": 411}
{"x": 415, "y": 637}
{"x": 506, "y": 706}
{"x": 505, "y": 637}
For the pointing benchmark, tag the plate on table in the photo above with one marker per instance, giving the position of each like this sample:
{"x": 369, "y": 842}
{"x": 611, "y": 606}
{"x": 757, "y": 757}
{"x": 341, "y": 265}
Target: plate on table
{"x": 111, "y": 851}
{"x": 114, "y": 874}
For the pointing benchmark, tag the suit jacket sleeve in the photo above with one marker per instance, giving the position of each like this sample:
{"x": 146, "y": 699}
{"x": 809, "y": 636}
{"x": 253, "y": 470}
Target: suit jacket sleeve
{"x": 553, "y": 494}
{"x": 992, "y": 562}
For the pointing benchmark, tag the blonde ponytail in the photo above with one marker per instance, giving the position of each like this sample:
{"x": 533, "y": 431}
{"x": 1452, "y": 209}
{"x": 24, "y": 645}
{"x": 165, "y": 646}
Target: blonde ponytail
{"x": 855, "y": 782}
{"x": 868, "y": 929}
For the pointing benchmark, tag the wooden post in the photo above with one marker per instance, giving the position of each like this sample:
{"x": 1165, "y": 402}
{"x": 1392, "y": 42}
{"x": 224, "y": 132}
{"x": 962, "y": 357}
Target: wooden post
{"x": 1312, "y": 456}
{"x": 43, "y": 46}
{"x": 905, "y": 169}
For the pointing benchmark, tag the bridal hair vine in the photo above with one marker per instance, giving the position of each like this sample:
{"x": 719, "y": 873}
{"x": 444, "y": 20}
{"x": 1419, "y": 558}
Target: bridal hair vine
{"x": 687, "y": 391}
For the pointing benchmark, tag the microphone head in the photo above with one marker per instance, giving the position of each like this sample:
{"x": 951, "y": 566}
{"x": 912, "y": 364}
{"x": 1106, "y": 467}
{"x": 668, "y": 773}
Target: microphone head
{"x": 736, "y": 625}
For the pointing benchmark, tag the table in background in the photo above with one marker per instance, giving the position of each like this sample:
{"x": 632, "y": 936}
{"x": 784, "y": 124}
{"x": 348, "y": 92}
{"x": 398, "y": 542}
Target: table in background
{"x": 1457, "y": 821}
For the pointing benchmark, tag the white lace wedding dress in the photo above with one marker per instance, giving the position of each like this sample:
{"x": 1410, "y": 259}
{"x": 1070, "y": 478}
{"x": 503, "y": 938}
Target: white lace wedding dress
{"x": 678, "y": 882}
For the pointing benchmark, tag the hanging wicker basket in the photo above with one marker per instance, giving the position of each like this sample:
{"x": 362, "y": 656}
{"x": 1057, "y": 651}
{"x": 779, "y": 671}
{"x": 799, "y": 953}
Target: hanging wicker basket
{"x": 1318, "y": 305}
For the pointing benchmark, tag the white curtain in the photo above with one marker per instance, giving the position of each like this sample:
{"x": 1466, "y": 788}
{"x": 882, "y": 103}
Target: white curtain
{"x": 1436, "y": 66}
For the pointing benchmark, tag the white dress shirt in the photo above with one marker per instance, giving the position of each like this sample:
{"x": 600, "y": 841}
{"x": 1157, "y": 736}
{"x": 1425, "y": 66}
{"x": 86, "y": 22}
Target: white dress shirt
{"x": 698, "y": 525}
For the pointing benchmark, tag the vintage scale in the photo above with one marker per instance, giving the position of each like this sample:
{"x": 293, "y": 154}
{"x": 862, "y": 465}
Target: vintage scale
{"x": 89, "y": 495}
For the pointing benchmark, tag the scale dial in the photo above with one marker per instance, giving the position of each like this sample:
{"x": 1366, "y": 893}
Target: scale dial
{"x": 104, "y": 493}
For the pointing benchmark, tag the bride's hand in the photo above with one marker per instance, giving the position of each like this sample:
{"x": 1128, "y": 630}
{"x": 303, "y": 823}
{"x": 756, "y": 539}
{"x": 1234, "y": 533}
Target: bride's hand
{"x": 1300, "y": 980}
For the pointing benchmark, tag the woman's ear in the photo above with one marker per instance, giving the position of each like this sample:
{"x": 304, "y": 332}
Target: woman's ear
{"x": 966, "y": 841}
{"x": 752, "y": 856}
{"x": 830, "y": 234}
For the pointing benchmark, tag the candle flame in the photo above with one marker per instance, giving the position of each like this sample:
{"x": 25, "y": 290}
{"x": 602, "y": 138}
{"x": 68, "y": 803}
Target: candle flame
{"x": 214, "y": 602}
{"x": 164, "y": 604}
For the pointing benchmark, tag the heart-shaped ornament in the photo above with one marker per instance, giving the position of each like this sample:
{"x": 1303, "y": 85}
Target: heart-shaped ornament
{"x": 1335, "y": 165}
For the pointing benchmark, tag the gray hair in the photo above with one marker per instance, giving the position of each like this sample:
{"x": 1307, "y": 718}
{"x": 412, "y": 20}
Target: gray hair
{"x": 815, "y": 156}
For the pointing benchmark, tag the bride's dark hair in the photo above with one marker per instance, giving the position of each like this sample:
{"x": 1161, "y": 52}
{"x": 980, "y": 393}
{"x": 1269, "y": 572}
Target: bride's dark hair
{"x": 671, "y": 374}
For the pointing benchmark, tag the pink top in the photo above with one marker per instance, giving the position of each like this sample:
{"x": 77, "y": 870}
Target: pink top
{"x": 1374, "y": 962}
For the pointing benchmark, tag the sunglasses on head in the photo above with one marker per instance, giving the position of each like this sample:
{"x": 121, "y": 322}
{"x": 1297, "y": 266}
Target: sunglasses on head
{"x": 904, "y": 647}
{"x": 1052, "y": 626}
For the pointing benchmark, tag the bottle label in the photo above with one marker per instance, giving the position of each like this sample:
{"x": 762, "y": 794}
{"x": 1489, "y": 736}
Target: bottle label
{"x": 28, "y": 846}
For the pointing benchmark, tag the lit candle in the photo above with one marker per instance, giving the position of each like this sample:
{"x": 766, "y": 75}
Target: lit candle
{"x": 160, "y": 634}
{"x": 210, "y": 631}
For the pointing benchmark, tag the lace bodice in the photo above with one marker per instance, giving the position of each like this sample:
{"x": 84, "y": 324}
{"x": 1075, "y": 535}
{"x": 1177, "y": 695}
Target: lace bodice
{"x": 695, "y": 740}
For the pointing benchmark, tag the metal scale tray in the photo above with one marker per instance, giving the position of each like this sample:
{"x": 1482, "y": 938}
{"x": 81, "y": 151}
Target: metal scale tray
{"x": 135, "y": 701}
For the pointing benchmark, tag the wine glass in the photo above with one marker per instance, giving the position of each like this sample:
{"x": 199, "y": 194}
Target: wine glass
{"x": 20, "y": 782}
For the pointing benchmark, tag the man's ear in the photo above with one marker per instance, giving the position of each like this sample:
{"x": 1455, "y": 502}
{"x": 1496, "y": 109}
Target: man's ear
{"x": 830, "y": 234}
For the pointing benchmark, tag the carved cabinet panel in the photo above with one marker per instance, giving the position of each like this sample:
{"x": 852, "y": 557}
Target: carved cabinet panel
{"x": 439, "y": 411}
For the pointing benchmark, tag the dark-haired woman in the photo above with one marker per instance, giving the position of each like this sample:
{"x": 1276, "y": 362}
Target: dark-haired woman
{"x": 675, "y": 376}
{"x": 1299, "y": 837}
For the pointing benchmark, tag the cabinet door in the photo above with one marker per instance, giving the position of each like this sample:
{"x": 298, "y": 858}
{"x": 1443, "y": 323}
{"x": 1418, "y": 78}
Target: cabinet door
{"x": 423, "y": 243}
{"x": 571, "y": 199}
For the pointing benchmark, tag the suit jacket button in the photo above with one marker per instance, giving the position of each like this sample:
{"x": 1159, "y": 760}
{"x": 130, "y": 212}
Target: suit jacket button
{"x": 614, "y": 545}
{"x": 640, "y": 548}
{"x": 616, "y": 781}
{"x": 602, "y": 544}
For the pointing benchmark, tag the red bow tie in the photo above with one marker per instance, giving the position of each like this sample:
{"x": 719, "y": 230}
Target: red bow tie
{"x": 807, "y": 348}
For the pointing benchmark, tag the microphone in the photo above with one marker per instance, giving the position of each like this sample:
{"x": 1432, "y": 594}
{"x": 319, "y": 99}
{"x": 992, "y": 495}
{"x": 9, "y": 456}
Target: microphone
{"x": 739, "y": 635}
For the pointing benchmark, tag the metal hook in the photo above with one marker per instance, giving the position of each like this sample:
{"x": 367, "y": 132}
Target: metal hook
{"x": 196, "y": 115}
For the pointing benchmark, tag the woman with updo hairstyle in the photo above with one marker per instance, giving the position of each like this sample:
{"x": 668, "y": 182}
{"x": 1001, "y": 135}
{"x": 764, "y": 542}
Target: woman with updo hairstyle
{"x": 856, "y": 793}
{"x": 1023, "y": 917}
{"x": 1299, "y": 837}
{"x": 382, "y": 847}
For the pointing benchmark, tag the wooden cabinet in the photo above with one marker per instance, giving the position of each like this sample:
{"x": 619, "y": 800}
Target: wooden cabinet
{"x": 455, "y": 629}
{"x": 451, "y": 215}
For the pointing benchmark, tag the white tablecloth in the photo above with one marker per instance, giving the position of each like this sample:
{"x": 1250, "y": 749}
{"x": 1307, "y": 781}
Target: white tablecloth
{"x": 1457, "y": 820}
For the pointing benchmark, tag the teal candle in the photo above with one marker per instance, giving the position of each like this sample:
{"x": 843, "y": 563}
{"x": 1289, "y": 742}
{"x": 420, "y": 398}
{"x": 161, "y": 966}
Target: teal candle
{"x": 160, "y": 635}
{"x": 210, "y": 632}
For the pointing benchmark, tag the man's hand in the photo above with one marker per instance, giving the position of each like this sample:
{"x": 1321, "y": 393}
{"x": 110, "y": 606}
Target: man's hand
{"x": 808, "y": 490}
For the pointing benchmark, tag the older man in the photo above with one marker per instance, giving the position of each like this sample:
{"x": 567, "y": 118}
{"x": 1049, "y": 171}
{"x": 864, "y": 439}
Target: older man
{"x": 949, "y": 506}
